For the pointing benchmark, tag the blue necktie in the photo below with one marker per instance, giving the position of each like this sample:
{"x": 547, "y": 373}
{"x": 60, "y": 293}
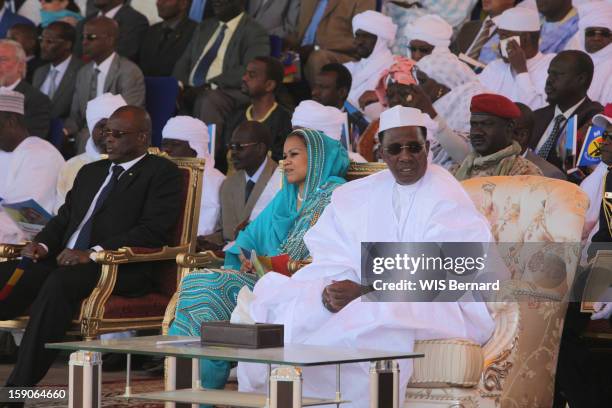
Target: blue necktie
{"x": 197, "y": 10}
{"x": 311, "y": 31}
{"x": 199, "y": 78}
{"x": 84, "y": 238}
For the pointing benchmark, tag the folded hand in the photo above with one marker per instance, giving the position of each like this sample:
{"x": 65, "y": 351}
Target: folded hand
{"x": 73, "y": 257}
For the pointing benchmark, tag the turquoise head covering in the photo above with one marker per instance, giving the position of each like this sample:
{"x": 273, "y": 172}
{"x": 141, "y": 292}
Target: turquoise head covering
{"x": 280, "y": 227}
{"x": 48, "y": 17}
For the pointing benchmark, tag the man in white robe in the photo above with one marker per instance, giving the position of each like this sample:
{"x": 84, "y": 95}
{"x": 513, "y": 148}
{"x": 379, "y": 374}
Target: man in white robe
{"x": 185, "y": 136}
{"x": 320, "y": 304}
{"x": 520, "y": 73}
{"x": 28, "y": 164}
{"x": 374, "y": 35}
{"x": 327, "y": 119}
{"x": 98, "y": 110}
{"x": 595, "y": 38}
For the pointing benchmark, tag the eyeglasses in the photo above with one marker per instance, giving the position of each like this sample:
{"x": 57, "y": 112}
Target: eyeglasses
{"x": 118, "y": 134}
{"x": 239, "y": 146}
{"x": 395, "y": 148}
{"x": 422, "y": 50}
{"x": 50, "y": 40}
{"x": 93, "y": 37}
{"x": 592, "y": 32}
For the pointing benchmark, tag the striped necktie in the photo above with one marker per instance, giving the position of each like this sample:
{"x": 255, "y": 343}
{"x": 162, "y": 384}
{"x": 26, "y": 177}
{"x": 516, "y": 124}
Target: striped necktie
{"x": 481, "y": 40}
{"x": 552, "y": 139}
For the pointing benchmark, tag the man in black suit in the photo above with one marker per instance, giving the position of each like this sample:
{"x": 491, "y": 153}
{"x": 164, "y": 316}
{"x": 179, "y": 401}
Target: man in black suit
{"x": 569, "y": 78}
{"x": 57, "y": 78}
{"x": 130, "y": 199}
{"x": 37, "y": 104}
{"x": 165, "y": 42}
{"x": 132, "y": 27}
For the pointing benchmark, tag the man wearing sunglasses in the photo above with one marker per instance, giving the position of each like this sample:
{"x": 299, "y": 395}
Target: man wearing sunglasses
{"x": 426, "y": 33}
{"x": 495, "y": 153}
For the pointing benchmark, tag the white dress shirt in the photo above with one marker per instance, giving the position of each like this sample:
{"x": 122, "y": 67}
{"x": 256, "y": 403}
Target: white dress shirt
{"x": 104, "y": 67}
{"x": 11, "y": 86}
{"x": 112, "y": 12}
{"x": 61, "y": 70}
{"x": 126, "y": 167}
{"x": 567, "y": 114}
{"x": 255, "y": 177}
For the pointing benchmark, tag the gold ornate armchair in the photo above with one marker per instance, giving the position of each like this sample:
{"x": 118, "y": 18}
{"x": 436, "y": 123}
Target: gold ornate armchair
{"x": 102, "y": 312}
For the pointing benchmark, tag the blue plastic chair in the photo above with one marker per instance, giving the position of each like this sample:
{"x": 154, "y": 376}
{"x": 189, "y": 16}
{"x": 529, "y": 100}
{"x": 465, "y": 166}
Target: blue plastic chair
{"x": 161, "y": 94}
{"x": 56, "y": 133}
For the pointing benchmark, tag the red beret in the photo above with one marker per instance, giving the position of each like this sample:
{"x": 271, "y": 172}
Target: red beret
{"x": 494, "y": 104}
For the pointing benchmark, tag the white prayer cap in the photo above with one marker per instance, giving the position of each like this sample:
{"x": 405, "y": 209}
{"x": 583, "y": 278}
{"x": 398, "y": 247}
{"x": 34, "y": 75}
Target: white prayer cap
{"x": 432, "y": 29}
{"x": 11, "y": 101}
{"x": 191, "y": 130}
{"x": 519, "y": 19}
{"x": 400, "y": 116}
{"x": 375, "y": 23}
{"x": 102, "y": 107}
{"x": 313, "y": 115}
{"x": 595, "y": 14}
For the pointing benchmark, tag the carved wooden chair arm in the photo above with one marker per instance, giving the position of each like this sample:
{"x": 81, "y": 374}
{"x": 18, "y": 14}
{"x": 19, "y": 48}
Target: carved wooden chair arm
{"x": 206, "y": 259}
{"x": 10, "y": 251}
{"x": 294, "y": 266}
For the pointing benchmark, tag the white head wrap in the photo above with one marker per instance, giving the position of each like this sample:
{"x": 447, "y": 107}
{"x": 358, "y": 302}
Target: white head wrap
{"x": 11, "y": 101}
{"x": 375, "y": 23}
{"x": 595, "y": 14}
{"x": 446, "y": 69}
{"x": 313, "y": 115}
{"x": 190, "y": 130}
{"x": 432, "y": 29}
{"x": 102, "y": 107}
{"x": 519, "y": 19}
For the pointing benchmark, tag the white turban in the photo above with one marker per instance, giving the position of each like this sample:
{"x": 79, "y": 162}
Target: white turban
{"x": 313, "y": 115}
{"x": 190, "y": 130}
{"x": 375, "y": 23}
{"x": 11, "y": 101}
{"x": 102, "y": 107}
{"x": 446, "y": 69}
{"x": 432, "y": 29}
{"x": 595, "y": 14}
{"x": 519, "y": 19}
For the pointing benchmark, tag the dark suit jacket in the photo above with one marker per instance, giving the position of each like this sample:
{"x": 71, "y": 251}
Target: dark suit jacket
{"x": 9, "y": 19}
{"x": 548, "y": 170}
{"x": 543, "y": 116}
{"x": 141, "y": 211}
{"x": 132, "y": 28}
{"x": 157, "y": 58}
{"x": 31, "y": 67}
{"x": 62, "y": 99}
{"x": 249, "y": 41}
{"x": 37, "y": 110}
{"x": 466, "y": 36}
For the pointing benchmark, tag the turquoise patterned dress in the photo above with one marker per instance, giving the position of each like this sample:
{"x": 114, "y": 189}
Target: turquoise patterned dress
{"x": 209, "y": 295}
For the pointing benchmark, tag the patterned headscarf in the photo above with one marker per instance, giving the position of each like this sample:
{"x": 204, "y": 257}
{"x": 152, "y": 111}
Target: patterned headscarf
{"x": 446, "y": 69}
{"x": 280, "y": 228}
{"x": 400, "y": 72}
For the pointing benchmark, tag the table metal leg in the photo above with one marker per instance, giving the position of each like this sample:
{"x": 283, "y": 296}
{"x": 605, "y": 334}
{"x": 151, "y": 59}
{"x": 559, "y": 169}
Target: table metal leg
{"x": 170, "y": 367}
{"x": 384, "y": 384}
{"x": 85, "y": 380}
{"x": 338, "y": 392}
{"x": 286, "y": 387}
{"x": 128, "y": 388}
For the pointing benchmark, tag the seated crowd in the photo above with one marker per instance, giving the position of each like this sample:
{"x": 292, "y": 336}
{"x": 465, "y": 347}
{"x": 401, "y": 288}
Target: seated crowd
{"x": 438, "y": 98}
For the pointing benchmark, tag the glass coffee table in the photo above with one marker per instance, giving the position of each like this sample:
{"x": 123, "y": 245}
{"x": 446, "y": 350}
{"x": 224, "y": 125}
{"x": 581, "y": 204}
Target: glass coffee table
{"x": 183, "y": 383}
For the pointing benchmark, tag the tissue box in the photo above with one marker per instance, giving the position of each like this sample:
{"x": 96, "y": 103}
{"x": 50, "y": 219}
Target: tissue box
{"x": 254, "y": 336}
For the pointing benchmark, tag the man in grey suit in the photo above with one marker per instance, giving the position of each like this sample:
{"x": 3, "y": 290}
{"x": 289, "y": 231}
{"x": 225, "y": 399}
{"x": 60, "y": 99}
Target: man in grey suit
{"x": 250, "y": 189}
{"x": 277, "y": 17}
{"x": 107, "y": 72}
{"x": 211, "y": 68}
{"x": 523, "y": 129}
{"x": 57, "y": 78}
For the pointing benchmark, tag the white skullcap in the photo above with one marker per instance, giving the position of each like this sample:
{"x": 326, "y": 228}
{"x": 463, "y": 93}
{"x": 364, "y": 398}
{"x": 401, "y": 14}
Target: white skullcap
{"x": 102, "y": 107}
{"x": 595, "y": 14}
{"x": 432, "y": 29}
{"x": 313, "y": 115}
{"x": 375, "y": 23}
{"x": 191, "y": 130}
{"x": 400, "y": 116}
{"x": 519, "y": 19}
{"x": 11, "y": 101}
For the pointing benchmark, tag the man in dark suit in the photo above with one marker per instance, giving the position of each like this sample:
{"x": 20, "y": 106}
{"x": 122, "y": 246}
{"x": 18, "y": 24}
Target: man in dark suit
{"x": 9, "y": 19}
{"x": 37, "y": 104}
{"x": 478, "y": 39}
{"x": 165, "y": 42}
{"x": 27, "y": 36}
{"x": 569, "y": 78}
{"x": 211, "y": 68}
{"x": 107, "y": 72}
{"x": 130, "y": 199}
{"x": 57, "y": 78}
{"x": 277, "y": 17}
{"x": 132, "y": 27}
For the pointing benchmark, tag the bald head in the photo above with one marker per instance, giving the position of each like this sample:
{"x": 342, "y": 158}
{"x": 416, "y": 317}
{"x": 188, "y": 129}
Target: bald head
{"x": 128, "y": 134}
{"x": 569, "y": 77}
{"x": 100, "y": 37}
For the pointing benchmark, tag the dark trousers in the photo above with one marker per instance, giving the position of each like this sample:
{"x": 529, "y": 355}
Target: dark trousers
{"x": 53, "y": 295}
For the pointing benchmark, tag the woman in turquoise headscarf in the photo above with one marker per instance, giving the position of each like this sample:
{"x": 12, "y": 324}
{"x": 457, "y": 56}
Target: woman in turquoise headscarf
{"x": 314, "y": 165}
{"x": 59, "y": 10}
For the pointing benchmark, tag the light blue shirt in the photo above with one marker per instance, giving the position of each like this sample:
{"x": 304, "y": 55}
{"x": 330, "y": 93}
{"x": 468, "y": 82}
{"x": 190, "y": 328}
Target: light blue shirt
{"x": 311, "y": 31}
